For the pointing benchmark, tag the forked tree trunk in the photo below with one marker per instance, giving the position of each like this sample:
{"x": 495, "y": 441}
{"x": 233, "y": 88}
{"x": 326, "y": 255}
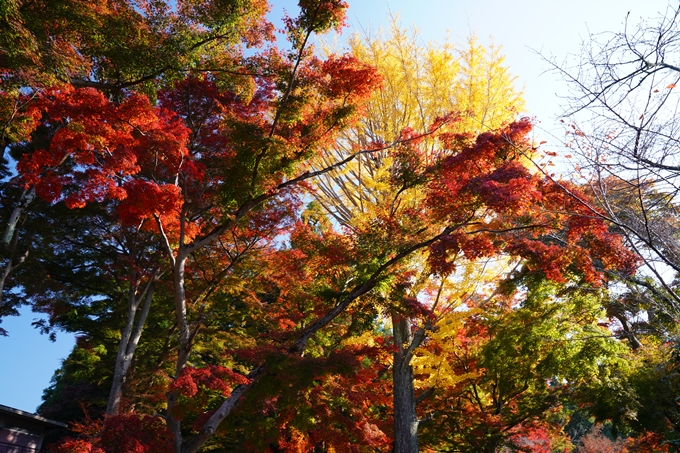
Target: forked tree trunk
{"x": 186, "y": 335}
{"x": 130, "y": 336}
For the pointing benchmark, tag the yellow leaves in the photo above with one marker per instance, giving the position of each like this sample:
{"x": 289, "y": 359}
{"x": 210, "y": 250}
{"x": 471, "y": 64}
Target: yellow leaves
{"x": 484, "y": 89}
{"x": 365, "y": 339}
{"x": 420, "y": 83}
{"x": 463, "y": 294}
{"x": 441, "y": 376}
{"x": 400, "y": 102}
{"x": 434, "y": 365}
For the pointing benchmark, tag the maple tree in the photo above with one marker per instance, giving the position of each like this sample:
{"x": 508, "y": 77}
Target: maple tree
{"x": 103, "y": 149}
{"x": 45, "y": 44}
{"x": 84, "y": 44}
{"x": 637, "y": 397}
{"x": 488, "y": 204}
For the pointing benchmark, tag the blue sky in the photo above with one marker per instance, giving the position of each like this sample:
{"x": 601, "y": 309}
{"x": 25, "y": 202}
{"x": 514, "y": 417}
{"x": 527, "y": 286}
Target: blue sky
{"x": 522, "y": 26}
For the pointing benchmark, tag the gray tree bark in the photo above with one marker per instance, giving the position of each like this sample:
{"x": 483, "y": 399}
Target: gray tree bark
{"x": 130, "y": 336}
{"x": 405, "y": 417}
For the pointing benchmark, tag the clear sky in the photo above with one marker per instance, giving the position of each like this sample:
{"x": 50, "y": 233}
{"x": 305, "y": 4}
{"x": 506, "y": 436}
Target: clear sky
{"x": 27, "y": 359}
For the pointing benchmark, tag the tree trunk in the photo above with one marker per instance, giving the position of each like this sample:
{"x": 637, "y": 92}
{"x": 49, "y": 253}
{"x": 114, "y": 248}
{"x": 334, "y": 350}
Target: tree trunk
{"x": 10, "y": 239}
{"x": 130, "y": 336}
{"x": 10, "y": 230}
{"x": 405, "y": 417}
{"x": 179, "y": 267}
{"x": 402, "y": 331}
{"x": 493, "y": 444}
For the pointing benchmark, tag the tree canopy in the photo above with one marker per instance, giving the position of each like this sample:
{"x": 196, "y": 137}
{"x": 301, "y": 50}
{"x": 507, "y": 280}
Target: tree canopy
{"x": 267, "y": 247}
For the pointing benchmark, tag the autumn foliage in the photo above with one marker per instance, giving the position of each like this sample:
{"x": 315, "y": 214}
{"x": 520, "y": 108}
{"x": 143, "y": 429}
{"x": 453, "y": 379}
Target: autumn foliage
{"x": 488, "y": 176}
{"x": 165, "y": 202}
{"x": 123, "y": 433}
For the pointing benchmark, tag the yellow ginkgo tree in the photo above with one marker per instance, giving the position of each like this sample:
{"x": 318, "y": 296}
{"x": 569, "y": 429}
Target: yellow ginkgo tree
{"x": 421, "y": 82}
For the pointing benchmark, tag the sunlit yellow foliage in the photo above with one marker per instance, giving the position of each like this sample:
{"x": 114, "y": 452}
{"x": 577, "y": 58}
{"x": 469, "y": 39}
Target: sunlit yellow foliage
{"x": 367, "y": 339}
{"x": 434, "y": 367}
{"x": 484, "y": 90}
{"x": 421, "y": 82}
{"x": 462, "y": 296}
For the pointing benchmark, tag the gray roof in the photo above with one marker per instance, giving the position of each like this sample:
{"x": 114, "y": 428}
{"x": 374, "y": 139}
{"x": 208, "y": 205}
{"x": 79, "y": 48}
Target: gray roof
{"x": 37, "y": 418}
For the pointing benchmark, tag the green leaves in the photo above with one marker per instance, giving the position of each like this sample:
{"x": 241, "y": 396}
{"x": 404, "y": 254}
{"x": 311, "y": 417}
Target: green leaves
{"x": 515, "y": 361}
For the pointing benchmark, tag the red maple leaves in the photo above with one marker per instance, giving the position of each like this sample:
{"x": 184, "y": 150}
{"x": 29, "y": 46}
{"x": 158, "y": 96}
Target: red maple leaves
{"x": 97, "y": 146}
{"x": 496, "y": 204}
